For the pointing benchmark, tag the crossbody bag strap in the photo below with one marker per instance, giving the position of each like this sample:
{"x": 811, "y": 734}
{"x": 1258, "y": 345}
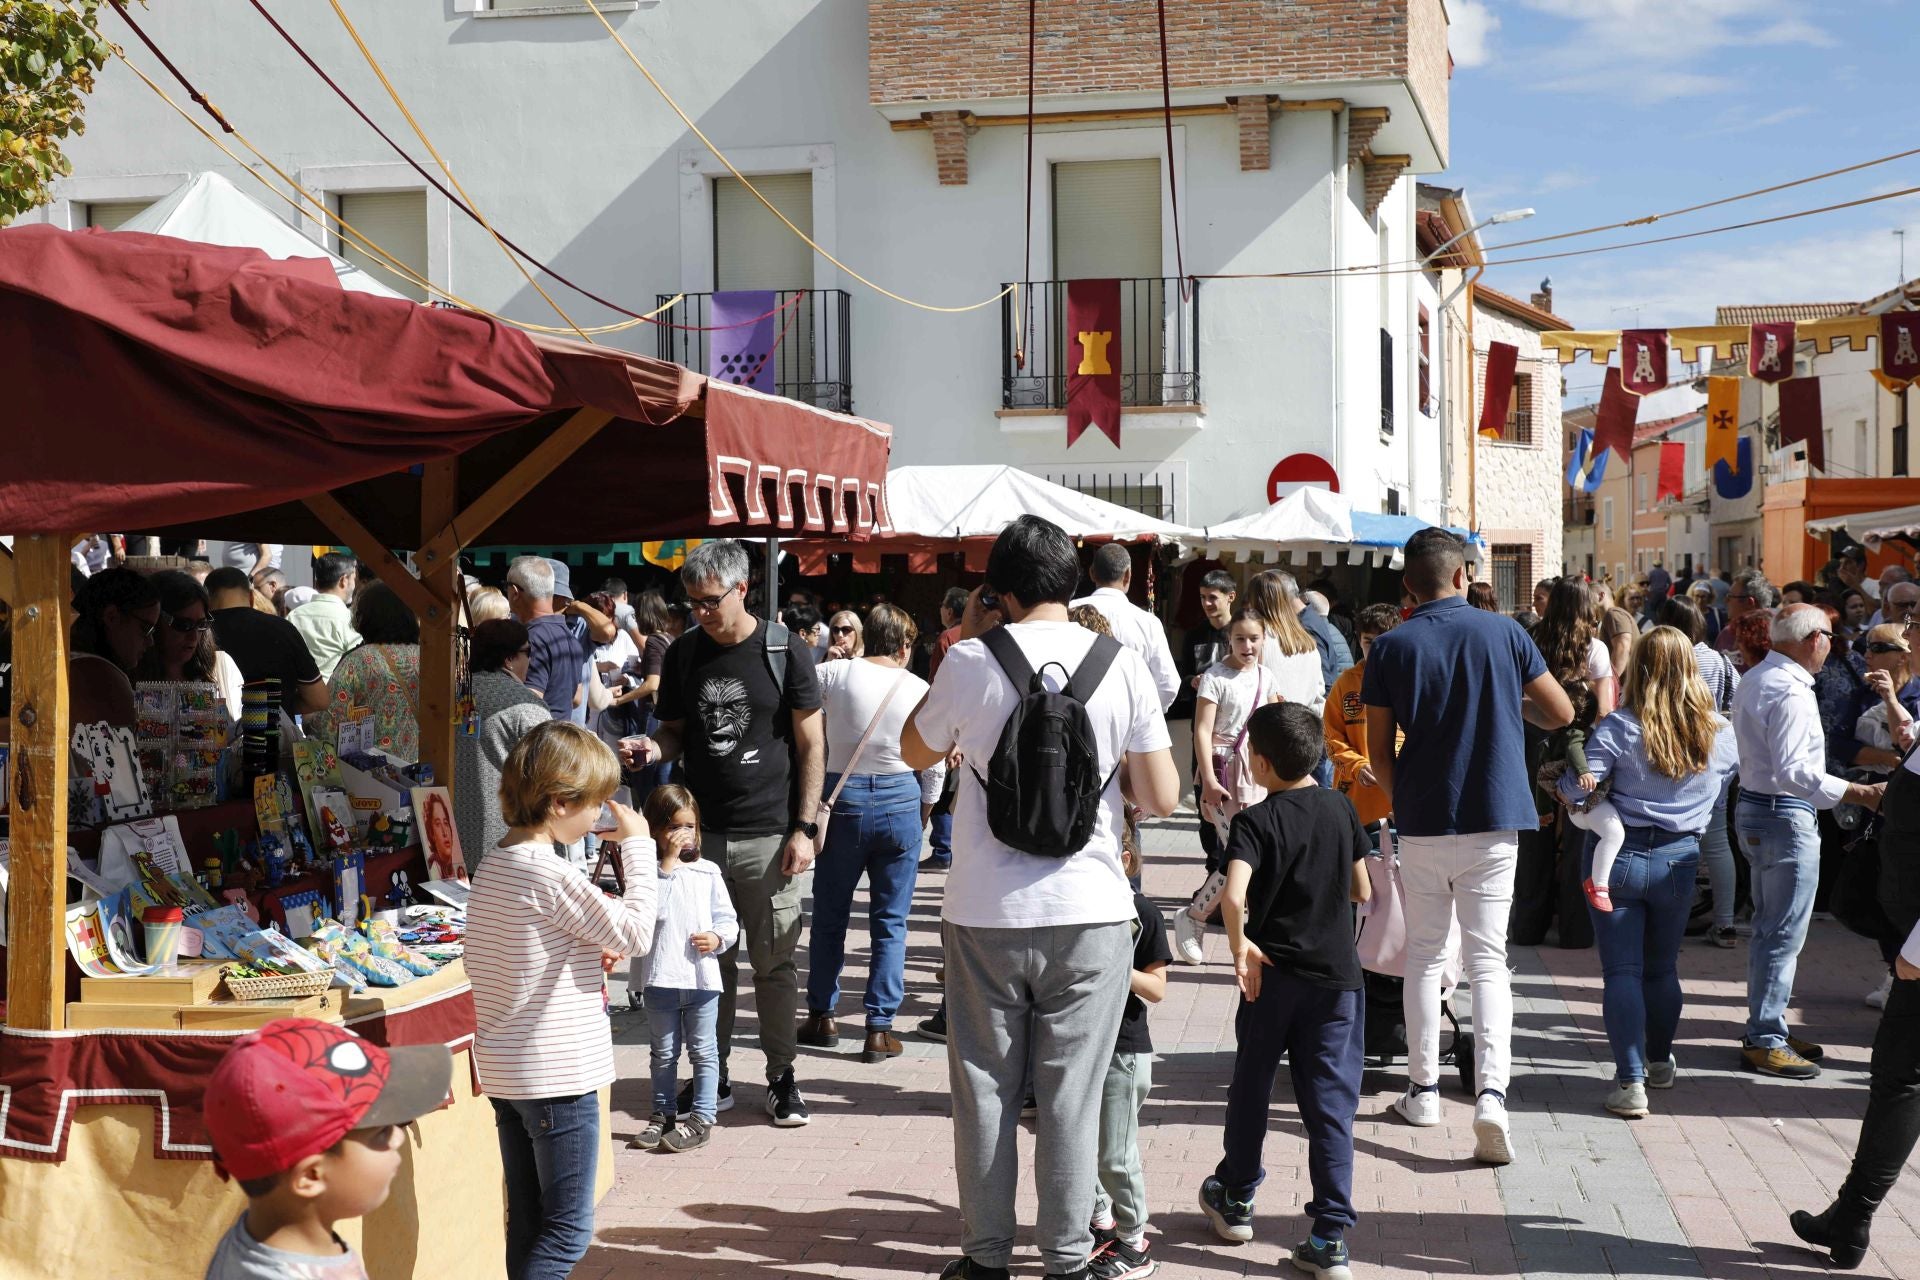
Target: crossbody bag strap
{"x": 1259, "y": 693}
{"x": 867, "y": 736}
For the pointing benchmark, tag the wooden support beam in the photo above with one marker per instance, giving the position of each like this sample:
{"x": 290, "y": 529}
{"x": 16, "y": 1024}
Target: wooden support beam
{"x": 1018, "y": 120}
{"x": 445, "y": 546}
{"x": 439, "y": 495}
{"x": 37, "y": 897}
{"x": 8, "y": 587}
{"x": 390, "y": 569}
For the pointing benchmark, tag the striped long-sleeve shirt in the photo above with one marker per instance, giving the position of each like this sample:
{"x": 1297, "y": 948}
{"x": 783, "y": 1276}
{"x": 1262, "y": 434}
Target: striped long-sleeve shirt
{"x": 535, "y": 930}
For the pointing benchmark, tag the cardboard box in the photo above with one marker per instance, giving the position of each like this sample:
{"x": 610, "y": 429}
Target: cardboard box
{"x": 187, "y": 982}
{"x": 245, "y": 1015}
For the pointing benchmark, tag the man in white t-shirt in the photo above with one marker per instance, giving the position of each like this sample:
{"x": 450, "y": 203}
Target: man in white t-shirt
{"x": 1023, "y": 933}
{"x": 1111, "y": 570}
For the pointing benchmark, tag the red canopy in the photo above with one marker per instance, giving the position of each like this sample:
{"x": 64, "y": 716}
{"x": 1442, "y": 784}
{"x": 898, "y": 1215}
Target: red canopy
{"x": 153, "y": 383}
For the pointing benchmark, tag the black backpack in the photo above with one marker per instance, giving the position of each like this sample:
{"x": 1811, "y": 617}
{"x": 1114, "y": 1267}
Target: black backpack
{"x": 1043, "y": 783}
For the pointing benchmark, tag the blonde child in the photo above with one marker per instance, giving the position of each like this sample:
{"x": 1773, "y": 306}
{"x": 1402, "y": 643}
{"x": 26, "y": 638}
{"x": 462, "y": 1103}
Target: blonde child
{"x": 694, "y": 923}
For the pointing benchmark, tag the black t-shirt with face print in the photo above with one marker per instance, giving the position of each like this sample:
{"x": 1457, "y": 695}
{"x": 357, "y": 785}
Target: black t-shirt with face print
{"x": 737, "y": 728}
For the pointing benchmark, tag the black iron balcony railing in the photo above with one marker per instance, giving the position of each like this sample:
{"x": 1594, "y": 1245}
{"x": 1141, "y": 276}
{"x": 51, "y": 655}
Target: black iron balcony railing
{"x": 1158, "y": 339}
{"x": 810, "y": 347}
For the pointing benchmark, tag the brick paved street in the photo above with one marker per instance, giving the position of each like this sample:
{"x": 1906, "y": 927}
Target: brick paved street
{"x": 1702, "y": 1188}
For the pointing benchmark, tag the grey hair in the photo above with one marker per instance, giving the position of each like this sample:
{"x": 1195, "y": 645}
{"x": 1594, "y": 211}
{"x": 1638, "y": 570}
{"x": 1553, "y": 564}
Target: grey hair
{"x": 1899, "y": 575}
{"x": 1755, "y": 584}
{"x": 723, "y": 562}
{"x": 1318, "y": 601}
{"x": 1796, "y": 622}
{"x": 533, "y": 575}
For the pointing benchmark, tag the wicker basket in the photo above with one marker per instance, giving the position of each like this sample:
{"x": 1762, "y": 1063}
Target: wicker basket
{"x": 279, "y": 987}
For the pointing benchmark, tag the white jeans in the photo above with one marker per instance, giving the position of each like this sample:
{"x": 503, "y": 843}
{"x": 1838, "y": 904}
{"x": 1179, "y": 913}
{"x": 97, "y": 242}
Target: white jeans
{"x": 1471, "y": 876}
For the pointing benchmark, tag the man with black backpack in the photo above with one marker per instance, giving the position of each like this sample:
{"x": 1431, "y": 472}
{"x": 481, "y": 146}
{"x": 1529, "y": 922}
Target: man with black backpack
{"x": 1038, "y": 915}
{"x": 740, "y": 705}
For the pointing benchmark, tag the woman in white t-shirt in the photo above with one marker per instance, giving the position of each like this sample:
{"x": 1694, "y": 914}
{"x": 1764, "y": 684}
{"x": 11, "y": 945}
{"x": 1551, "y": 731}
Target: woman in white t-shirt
{"x": 1290, "y": 654}
{"x": 880, "y": 807}
{"x": 1229, "y": 692}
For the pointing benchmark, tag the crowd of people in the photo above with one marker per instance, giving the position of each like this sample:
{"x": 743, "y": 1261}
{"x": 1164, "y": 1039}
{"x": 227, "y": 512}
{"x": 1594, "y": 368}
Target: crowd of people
{"x": 1566, "y": 773}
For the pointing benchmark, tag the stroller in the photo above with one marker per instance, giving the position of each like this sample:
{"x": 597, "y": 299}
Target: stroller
{"x": 1380, "y": 935}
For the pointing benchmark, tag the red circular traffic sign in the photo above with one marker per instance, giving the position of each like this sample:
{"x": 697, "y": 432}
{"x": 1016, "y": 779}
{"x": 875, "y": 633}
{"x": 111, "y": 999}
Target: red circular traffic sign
{"x": 1299, "y": 469}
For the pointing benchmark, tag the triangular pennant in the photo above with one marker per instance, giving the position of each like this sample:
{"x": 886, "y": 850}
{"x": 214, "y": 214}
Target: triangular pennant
{"x": 1643, "y": 360}
{"x": 1723, "y": 420}
{"x": 1770, "y": 351}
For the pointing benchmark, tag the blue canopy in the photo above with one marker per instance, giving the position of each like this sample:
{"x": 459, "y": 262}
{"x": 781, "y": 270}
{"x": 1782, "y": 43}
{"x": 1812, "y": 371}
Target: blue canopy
{"x": 1371, "y": 529}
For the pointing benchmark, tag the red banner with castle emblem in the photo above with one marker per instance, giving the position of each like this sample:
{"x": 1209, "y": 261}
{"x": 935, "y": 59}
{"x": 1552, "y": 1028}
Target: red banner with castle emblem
{"x": 1899, "y": 350}
{"x": 1770, "y": 351}
{"x": 1643, "y": 360}
{"x": 1093, "y": 357}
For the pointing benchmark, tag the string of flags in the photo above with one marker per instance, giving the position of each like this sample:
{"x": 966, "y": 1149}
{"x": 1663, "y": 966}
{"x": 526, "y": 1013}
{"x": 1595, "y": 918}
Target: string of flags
{"x": 1643, "y": 368}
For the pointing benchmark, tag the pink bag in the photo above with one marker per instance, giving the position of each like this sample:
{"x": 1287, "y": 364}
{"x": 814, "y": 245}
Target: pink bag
{"x": 1380, "y": 932}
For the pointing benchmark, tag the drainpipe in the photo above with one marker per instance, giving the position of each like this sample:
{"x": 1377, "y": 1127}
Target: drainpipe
{"x": 1336, "y": 211}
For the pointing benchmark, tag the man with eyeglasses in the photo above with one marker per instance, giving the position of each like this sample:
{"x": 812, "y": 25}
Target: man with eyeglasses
{"x": 1783, "y": 782}
{"x": 739, "y": 705}
{"x": 1897, "y": 605}
{"x": 1750, "y": 591}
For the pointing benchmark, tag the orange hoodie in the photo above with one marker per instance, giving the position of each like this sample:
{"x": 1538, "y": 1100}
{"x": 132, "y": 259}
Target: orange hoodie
{"x": 1346, "y": 728}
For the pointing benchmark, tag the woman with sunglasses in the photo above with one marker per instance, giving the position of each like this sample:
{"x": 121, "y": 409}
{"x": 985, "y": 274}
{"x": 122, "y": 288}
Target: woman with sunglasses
{"x": 183, "y": 647}
{"x": 845, "y": 636}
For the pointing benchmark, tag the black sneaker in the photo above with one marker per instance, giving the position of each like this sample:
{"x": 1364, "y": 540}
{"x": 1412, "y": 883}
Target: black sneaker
{"x": 1119, "y": 1261}
{"x": 689, "y": 1134}
{"x": 684, "y": 1103}
{"x": 649, "y": 1137}
{"x": 931, "y": 863}
{"x": 1329, "y": 1259}
{"x": 1102, "y": 1235}
{"x": 965, "y": 1268}
{"x": 1232, "y": 1219}
{"x": 935, "y": 1028}
{"x": 784, "y": 1103}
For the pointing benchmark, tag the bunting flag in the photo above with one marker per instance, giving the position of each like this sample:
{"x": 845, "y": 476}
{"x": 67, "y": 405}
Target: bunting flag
{"x": 741, "y": 350}
{"x": 670, "y": 554}
{"x": 1588, "y": 466}
{"x": 1738, "y": 481}
{"x": 1613, "y": 423}
{"x": 1723, "y": 419}
{"x": 1497, "y": 391}
{"x": 1643, "y": 360}
{"x": 1800, "y": 418}
{"x": 1899, "y": 350}
{"x": 1770, "y": 351}
{"x": 1093, "y": 357}
{"x": 1672, "y": 480}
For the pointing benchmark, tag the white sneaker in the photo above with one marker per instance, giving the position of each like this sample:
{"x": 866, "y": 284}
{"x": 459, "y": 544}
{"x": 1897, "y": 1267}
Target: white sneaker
{"x": 1492, "y": 1144}
{"x": 1877, "y": 998}
{"x": 1421, "y": 1109}
{"x": 1188, "y": 934}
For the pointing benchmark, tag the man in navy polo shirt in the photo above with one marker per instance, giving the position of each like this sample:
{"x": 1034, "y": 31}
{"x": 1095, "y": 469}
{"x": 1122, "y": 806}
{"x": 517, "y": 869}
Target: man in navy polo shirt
{"x": 1458, "y": 681}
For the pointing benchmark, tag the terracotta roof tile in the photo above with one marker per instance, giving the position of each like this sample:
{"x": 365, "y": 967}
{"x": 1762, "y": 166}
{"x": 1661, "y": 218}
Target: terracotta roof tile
{"x": 1772, "y": 312}
{"x": 1525, "y": 312}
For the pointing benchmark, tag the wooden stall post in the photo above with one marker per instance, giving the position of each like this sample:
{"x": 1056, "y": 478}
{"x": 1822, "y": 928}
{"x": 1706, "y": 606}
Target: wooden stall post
{"x": 37, "y": 898}
{"x": 439, "y": 497}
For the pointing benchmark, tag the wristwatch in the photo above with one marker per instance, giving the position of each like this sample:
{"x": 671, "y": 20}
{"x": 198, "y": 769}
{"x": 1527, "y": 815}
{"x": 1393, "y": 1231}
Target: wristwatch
{"x": 811, "y": 830}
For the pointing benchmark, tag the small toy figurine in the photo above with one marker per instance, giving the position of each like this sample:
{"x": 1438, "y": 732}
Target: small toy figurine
{"x": 401, "y": 894}
{"x": 274, "y": 857}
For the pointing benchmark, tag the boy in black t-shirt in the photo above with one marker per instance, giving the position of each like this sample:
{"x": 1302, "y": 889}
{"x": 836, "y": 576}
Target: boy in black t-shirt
{"x": 1294, "y": 863}
{"x": 1120, "y": 1249}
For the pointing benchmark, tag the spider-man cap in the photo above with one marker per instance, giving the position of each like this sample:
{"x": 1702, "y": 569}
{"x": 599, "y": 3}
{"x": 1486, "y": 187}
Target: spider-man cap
{"x": 296, "y": 1087}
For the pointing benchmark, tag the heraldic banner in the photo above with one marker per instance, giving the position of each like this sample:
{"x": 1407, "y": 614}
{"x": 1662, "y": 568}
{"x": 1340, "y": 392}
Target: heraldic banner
{"x": 1093, "y": 357}
{"x": 742, "y": 348}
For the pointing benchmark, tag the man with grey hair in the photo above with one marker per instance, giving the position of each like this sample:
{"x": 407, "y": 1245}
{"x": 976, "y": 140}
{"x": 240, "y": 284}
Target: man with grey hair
{"x": 556, "y": 655}
{"x": 1891, "y": 578}
{"x": 1111, "y": 571}
{"x": 1749, "y": 591}
{"x": 1783, "y": 781}
{"x": 739, "y": 705}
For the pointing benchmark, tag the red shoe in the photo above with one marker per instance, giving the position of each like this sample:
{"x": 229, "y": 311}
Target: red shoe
{"x": 1597, "y": 896}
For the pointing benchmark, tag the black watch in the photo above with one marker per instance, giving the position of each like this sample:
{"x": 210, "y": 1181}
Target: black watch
{"x": 811, "y": 830}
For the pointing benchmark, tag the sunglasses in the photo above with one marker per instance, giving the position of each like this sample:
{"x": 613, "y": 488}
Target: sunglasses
{"x": 842, "y": 631}
{"x": 185, "y": 626}
{"x": 1881, "y": 646}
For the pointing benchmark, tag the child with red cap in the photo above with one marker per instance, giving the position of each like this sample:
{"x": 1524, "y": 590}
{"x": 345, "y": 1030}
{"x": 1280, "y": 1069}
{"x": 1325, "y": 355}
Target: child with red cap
{"x": 308, "y": 1118}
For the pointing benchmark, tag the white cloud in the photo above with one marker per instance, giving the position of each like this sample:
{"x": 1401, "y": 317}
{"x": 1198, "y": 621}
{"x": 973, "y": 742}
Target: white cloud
{"x": 1471, "y": 32}
{"x": 1651, "y": 51}
{"x": 1563, "y": 180}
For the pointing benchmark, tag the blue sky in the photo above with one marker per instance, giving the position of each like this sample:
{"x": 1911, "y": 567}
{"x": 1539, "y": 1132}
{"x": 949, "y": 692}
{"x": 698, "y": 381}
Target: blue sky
{"x": 1593, "y": 111}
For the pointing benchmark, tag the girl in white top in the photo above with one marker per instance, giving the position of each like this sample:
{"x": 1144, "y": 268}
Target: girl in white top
{"x": 540, "y": 937}
{"x": 694, "y": 924}
{"x": 1290, "y": 653}
{"x": 1229, "y": 692}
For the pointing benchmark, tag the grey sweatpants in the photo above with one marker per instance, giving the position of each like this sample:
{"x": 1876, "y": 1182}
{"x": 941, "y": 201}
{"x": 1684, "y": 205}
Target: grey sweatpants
{"x": 1052, "y": 996}
{"x": 1122, "y": 1190}
{"x": 768, "y": 903}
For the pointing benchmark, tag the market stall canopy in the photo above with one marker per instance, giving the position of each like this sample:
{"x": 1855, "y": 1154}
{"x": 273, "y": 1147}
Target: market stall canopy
{"x": 155, "y": 384}
{"x": 936, "y": 509}
{"x": 211, "y": 210}
{"x": 1312, "y": 521}
{"x": 1873, "y": 527}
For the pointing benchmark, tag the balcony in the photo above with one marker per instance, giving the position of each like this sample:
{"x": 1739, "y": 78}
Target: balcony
{"x": 810, "y": 343}
{"x": 1158, "y": 339}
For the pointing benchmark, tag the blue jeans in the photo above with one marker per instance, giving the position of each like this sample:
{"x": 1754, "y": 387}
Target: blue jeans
{"x": 941, "y": 837}
{"x": 549, "y": 1148}
{"x": 1781, "y": 841}
{"x": 675, "y": 1018}
{"x": 1716, "y": 857}
{"x": 1639, "y": 940}
{"x": 875, "y": 831}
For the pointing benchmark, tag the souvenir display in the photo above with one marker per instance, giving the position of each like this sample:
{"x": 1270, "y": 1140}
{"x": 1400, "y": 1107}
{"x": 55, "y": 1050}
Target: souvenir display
{"x": 108, "y": 784}
{"x": 315, "y": 766}
{"x": 349, "y": 889}
{"x": 157, "y": 838}
{"x": 433, "y": 811}
{"x": 183, "y": 731}
{"x": 303, "y": 912}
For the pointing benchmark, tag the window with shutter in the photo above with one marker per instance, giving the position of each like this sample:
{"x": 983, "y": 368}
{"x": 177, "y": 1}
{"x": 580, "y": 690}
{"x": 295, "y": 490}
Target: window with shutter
{"x": 1426, "y": 377}
{"x": 1386, "y": 383}
{"x": 111, "y": 215}
{"x": 396, "y": 221}
{"x": 751, "y": 247}
{"x": 1106, "y": 219}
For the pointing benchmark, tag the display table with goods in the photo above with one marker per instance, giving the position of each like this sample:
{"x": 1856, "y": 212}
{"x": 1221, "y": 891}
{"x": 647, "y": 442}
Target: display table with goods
{"x": 227, "y": 395}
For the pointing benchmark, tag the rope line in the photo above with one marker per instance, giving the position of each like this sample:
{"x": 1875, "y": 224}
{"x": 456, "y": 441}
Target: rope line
{"x": 1026, "y": 263}
{"x": 1173, "y": 178}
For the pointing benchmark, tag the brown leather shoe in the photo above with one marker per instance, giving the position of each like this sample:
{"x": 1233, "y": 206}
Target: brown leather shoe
{"x": 819, "y": 1031}
{"x": 881, "y": 1045}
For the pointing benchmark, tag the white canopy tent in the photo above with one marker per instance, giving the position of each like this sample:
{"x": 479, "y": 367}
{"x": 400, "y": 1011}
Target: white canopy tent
{"x": 1873, "y": 527}
{"x": 962, "y": 502}
{"x": 1315, "y": 521}
{"x": 211, "y": 210}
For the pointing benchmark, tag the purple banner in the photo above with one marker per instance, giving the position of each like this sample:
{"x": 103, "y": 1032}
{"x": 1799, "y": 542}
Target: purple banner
{"x": 741, "y": 348}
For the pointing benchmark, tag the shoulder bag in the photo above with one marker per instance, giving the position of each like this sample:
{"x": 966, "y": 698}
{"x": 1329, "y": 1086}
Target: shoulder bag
{"x": 825, "y": 814}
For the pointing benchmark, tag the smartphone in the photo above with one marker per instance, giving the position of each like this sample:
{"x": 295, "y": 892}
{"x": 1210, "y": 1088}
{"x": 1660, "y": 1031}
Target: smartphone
{"x": 989, "y": 599}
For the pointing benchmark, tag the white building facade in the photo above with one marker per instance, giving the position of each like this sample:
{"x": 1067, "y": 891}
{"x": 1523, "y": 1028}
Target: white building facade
{"x": 881, "y": 130}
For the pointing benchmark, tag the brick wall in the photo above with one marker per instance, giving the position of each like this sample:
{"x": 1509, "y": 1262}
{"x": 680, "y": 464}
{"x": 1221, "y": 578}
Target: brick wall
{"x": 949, "y": 50}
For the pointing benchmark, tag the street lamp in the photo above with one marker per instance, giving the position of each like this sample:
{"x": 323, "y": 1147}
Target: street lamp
{"x": 1511, "y": 215}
